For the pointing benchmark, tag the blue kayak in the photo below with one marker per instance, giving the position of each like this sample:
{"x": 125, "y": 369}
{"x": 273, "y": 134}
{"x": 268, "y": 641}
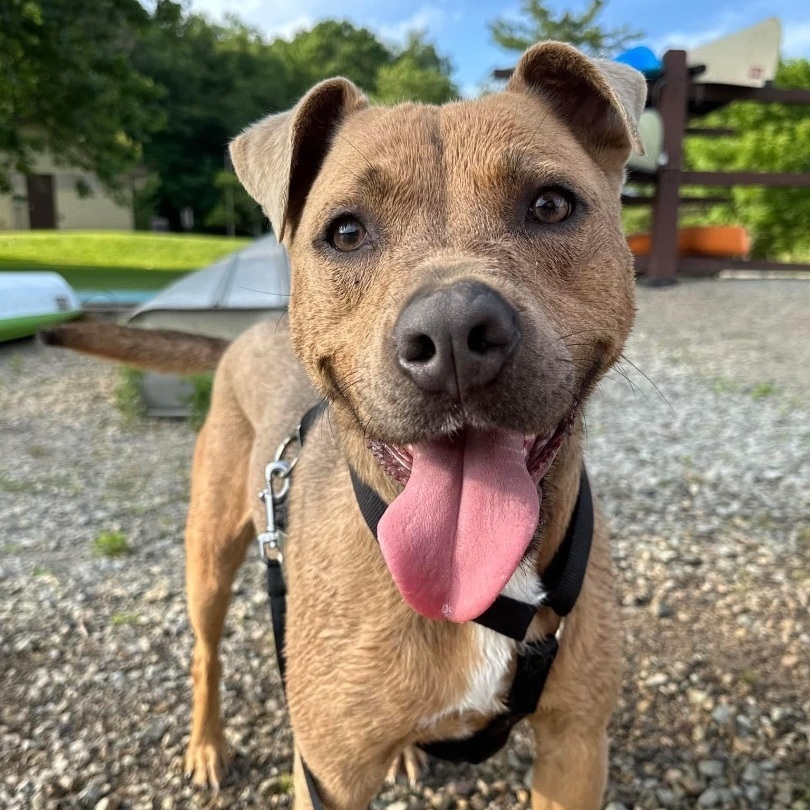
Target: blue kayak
{"x": 642, "y": 59}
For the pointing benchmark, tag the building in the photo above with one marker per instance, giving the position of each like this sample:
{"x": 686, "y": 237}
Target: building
{"x": 49, "y": 198}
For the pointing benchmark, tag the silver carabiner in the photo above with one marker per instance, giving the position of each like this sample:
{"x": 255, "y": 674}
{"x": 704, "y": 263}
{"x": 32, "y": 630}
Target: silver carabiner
{"x": 281, "y": 449}
{"x": 271, "y": 541}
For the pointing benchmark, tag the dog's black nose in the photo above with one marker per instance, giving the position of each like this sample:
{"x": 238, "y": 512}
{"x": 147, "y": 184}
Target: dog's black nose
{"x": 455, "y": 339}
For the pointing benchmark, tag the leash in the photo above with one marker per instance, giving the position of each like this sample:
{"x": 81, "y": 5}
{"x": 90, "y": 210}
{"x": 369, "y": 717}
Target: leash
{"x": 562, "y": 581}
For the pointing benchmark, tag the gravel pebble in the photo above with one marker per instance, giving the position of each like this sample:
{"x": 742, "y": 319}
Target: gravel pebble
{"x": 706, "y": 489}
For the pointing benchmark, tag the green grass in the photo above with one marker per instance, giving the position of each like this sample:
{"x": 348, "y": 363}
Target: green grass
{"x": 764, "y": 389}
{"x": 111, "y": 544}
{"x": 200, "y": 398}
{"x": 722, "y": 385}
{"x": 13, "y": 486}
{"x": 121, "y": 260}
{"x": 286, "y": 783}
{"x": 119, "y": 619}
{"x": 128, "y": 399}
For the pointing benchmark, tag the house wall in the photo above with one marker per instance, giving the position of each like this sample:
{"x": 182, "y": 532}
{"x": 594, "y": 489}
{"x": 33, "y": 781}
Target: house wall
{"x": 14, "y": 215}
{"x": 96, "y": 212}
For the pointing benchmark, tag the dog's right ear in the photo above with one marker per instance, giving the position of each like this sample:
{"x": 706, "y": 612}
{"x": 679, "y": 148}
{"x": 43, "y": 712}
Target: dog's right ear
{"x": 278, "y": 158}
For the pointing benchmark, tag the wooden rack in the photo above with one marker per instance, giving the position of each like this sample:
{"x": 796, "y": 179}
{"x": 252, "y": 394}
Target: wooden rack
{"x": 677, "y": 97}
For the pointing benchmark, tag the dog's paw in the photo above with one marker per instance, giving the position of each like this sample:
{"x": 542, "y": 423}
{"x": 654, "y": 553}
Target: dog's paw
{"x": 410, "y": 763}
{"x": 206, "y": 762}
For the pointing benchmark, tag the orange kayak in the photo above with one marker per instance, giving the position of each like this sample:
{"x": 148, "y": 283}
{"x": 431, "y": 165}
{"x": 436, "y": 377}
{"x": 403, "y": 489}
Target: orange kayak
{"x": 715, "y": 240}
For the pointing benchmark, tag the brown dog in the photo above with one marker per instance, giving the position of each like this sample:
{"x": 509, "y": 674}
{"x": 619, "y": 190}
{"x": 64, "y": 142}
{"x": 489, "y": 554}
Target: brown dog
{"x": 460, "y": 283}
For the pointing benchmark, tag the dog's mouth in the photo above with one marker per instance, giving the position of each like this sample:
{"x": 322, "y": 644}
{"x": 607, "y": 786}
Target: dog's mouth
{"x": 539, "y": 450}
{"x": 466, "y": 516}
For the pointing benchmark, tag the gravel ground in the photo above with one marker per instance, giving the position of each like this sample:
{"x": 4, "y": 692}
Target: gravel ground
{"x": 707, "y": 487}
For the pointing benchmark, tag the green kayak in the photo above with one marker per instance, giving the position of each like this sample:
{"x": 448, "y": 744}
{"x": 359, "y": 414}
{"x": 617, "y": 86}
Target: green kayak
{"x": 31, "y": 301}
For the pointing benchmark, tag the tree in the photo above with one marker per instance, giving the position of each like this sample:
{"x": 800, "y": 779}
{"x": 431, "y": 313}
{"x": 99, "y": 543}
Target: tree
{"x": 770, "y": 138}
{"x": 216, "y": 79}
{"x": 581, "y": 30}
{"x": 417, "y": 73}
{"x": 332, "y": 48}
{"x": 68, "y": 84}
{"x": 235, "y": 209}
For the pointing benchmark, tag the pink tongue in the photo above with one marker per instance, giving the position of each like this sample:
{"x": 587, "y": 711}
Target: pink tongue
{"x": 456, "y": 534}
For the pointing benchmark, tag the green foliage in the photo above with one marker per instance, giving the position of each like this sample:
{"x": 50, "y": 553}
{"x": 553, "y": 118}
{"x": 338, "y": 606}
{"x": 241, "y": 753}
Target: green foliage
{"x": 128, "y": 399}
{"x": 199, "y": 400}
{"x": 539, "y": 22}
{"x": 771, "y": 137}
{"x": 218, "y": 78}
{"x": 235, "y": 208}
{"x": 68, "y": 83}
{"x": 331, "y": 48}
{"x": 636, "y": 218}
{"x": 417, "y": 73}
{"x": 111, "y": 544}
{"x": 110, "y": 86}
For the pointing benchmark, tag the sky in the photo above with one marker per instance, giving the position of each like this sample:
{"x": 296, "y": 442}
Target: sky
{"x": 459, "y": 27}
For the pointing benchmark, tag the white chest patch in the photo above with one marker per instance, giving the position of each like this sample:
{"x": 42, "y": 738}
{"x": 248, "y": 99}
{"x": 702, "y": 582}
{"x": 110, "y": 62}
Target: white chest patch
{"x": 488, "y": 678}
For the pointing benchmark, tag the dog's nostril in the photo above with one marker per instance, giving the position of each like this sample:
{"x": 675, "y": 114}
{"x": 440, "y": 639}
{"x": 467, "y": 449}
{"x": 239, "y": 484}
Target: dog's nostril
{"x": 484, "y": 337}
{"x": 477, "y": 340}
{"x": 419, "y": 349}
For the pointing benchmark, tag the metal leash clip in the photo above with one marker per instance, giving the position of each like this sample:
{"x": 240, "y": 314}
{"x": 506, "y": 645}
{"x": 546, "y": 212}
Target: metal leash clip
{"x": 273, "y": 496}
{"x": 271, "y": 541}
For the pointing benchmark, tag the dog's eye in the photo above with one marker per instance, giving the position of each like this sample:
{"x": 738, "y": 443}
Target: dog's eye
{"x": 347, "y": 234}
{"x": 552, "y": 205}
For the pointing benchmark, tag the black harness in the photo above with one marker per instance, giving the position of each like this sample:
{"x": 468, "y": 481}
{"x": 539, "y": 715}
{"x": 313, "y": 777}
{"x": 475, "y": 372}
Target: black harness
{"x": 562, "y": 582}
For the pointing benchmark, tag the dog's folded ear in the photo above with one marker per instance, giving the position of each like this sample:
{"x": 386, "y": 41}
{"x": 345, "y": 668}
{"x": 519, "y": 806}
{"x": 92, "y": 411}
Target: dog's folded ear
{"x": 278, "y": 158}
{"x": 600, "y": 101}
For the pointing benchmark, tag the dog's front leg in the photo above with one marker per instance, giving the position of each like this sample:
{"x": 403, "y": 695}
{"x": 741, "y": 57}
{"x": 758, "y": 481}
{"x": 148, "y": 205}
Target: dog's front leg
{"x": 341, "y": 787}
{"x": 570, "y": 767}
{"x": 218, "y": 533}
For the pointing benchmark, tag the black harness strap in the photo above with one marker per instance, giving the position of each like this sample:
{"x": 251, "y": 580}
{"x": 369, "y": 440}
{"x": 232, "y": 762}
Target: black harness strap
{"x": 562, "y": 580}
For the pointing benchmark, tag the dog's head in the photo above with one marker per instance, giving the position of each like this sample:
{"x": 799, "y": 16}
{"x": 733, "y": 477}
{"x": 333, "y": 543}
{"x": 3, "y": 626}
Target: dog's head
{"x": 460, "y": 282}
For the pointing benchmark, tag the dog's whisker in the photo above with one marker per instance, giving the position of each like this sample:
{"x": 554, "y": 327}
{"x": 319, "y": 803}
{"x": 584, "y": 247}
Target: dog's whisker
{"x": 625, "y": 377}
{"x": 649, "y": 380}
{"x": 351, "y": 145}
{"x": 261, "y": 292}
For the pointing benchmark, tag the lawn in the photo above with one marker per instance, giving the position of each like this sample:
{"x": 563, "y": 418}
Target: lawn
{"x": 118, "y": 260}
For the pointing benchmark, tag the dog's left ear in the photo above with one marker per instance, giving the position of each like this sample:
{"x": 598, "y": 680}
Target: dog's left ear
{"x": 600, "y": 101}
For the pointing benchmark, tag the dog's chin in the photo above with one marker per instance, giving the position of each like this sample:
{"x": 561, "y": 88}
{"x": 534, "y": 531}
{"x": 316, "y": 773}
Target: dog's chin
{"x": 539, "y": 451}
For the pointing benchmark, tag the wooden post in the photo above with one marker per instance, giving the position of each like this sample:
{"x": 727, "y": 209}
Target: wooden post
{"x": 663, "y": 263}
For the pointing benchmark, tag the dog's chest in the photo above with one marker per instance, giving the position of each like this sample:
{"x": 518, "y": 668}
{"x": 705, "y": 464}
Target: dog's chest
{"x": 488, "y": 680}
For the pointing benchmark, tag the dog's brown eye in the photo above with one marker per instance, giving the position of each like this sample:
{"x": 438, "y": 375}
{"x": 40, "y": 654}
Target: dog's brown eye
{"x": 347, "y": 234}
{"x": 551, "y": 206}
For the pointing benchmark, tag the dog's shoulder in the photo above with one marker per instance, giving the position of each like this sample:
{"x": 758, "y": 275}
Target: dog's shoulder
{"x": 266, "y": 377}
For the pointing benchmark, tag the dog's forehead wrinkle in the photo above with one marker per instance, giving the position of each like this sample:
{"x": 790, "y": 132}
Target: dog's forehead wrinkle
{"x": 393, "y": 161}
